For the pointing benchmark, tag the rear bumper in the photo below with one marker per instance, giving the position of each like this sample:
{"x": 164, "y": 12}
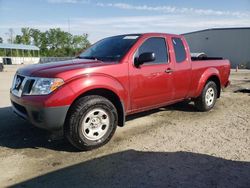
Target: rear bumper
{"x": 227, "y": 84}
{"x": 50, "y": 118}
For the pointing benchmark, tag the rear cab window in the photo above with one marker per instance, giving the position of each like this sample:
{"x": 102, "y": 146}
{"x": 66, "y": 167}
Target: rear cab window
{"x": 156, "y": 45}
{"x": 179, "y": 49}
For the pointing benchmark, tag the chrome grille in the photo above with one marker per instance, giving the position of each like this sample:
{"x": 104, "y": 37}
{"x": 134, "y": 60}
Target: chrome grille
{"x": 18, "y": 82}
{"x": 22, "y": 85}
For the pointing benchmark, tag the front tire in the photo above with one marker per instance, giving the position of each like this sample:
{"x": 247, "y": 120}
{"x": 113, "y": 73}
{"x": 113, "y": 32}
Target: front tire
{"x": 91, "y": 122}
{"x": 207, "y": 99}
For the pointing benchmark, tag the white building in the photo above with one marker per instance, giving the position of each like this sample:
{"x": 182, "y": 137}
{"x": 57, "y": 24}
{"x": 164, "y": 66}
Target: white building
{"x": 19, "y": 54}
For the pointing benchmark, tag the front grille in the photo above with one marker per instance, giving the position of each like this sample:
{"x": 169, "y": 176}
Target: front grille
{"x": 28, "y": 86}
{"x": 22, "y": 85}
{"x": 20, "y": 108}
{"x": 18, "y": 82}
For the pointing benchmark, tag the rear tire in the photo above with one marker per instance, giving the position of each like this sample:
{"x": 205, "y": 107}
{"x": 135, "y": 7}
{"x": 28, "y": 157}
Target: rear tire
{"x": 207, "y": 99}
{"x": 91, "y": 122}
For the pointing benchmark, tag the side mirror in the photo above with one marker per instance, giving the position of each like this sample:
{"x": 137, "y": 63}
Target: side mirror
{"x": 143, "y": 58}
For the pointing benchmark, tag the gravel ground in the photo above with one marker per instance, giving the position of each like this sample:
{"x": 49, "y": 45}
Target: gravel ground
{"x": 174, "y": 146}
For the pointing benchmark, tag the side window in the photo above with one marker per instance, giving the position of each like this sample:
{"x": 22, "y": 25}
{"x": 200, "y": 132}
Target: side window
{"x": 156, "y": 45}
{"x": 179, "y": 49}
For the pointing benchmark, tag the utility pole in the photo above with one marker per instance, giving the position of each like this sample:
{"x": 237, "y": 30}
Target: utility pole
{"x": 68, "y": 38}
{"x": 11, "y": 35}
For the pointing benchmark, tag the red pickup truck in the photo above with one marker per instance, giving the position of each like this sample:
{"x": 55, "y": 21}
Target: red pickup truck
{"x": 90, "y": 95}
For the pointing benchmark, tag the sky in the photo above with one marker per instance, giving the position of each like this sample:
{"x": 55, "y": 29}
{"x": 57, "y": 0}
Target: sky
{"x": 101, "y": 18}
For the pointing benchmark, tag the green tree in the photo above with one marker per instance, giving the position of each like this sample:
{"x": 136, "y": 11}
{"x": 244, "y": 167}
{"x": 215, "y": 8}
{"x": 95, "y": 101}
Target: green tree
{"x": 18, "y": 39}
{"x": 35, "y": 35}
{"x": 53, "y": 42}
{"x": 26, "y": 38}
{"x": 80, "y": 41}
{"x": 43, "y": 44}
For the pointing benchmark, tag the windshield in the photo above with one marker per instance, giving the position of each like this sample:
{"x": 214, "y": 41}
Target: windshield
{"x": 110, "y": 49}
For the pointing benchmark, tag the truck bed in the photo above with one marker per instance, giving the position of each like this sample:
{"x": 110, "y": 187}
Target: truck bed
{"x": 203, "y": 58}
{"x": 199, "y": 67}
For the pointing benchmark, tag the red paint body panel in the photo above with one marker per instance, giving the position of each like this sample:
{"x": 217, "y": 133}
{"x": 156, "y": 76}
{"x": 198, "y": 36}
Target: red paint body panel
{"x": 139, "y": 89}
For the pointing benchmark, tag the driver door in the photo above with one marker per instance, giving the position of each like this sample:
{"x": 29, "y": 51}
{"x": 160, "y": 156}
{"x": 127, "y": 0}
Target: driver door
{"x": 151, "y": 83}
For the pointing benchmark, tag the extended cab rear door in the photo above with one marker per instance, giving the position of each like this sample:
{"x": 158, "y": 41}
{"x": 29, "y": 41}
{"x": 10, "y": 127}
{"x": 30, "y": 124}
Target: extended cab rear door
{"x": 182, "y": 67}
{"x": 151, "y": 84}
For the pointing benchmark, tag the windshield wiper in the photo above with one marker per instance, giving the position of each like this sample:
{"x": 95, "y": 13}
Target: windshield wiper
{"x": 87, "y": 57}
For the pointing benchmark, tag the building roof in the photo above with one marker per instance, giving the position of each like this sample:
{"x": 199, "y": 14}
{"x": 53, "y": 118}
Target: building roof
{"x": 18, "y": 46}
{"x": 212, "y": 29}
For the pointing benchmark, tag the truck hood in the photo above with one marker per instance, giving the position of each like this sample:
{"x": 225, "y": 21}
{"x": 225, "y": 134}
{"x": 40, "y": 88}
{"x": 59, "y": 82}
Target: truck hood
{"x": 60, "y": 68}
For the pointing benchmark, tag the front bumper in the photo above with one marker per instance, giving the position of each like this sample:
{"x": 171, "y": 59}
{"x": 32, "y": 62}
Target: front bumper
{"x": 50, "y": 118}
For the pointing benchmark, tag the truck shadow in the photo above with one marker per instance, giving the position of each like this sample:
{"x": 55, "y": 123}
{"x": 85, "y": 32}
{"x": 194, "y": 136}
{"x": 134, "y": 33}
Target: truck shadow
{"x": 17, "y": 133}
{"x": 184, "y": 106}
{"x": 148, "y": 169}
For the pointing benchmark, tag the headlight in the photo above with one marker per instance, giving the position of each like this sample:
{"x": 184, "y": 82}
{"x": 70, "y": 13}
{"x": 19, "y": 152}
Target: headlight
{"x": 44, "y": 86}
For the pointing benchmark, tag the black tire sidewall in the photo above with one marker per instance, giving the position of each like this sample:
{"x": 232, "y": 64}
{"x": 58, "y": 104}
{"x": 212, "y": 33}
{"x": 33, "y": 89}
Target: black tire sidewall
{"x": 73, "y": 127}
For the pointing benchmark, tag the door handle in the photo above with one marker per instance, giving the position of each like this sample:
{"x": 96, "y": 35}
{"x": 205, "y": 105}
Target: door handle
{"x": 169, "y": 71}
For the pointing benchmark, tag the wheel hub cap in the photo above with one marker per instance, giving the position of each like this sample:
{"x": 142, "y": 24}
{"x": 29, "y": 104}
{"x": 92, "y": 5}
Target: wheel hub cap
{"x": 209, "y": 97}
{"x": 95, "y": 124}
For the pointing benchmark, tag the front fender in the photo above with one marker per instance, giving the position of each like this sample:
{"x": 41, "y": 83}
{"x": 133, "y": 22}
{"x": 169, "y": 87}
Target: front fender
{"x": 208, "y": 73}
{"x": 89, "y": 82}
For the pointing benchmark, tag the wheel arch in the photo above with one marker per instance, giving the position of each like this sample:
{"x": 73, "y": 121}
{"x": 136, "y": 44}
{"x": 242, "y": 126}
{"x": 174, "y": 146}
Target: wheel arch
{"x": 211, "y": 74}
{"x": 111, "y": 96}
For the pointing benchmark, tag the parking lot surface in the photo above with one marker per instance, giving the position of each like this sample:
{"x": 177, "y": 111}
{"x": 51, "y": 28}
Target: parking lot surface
{"x": 173, "y": 146}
